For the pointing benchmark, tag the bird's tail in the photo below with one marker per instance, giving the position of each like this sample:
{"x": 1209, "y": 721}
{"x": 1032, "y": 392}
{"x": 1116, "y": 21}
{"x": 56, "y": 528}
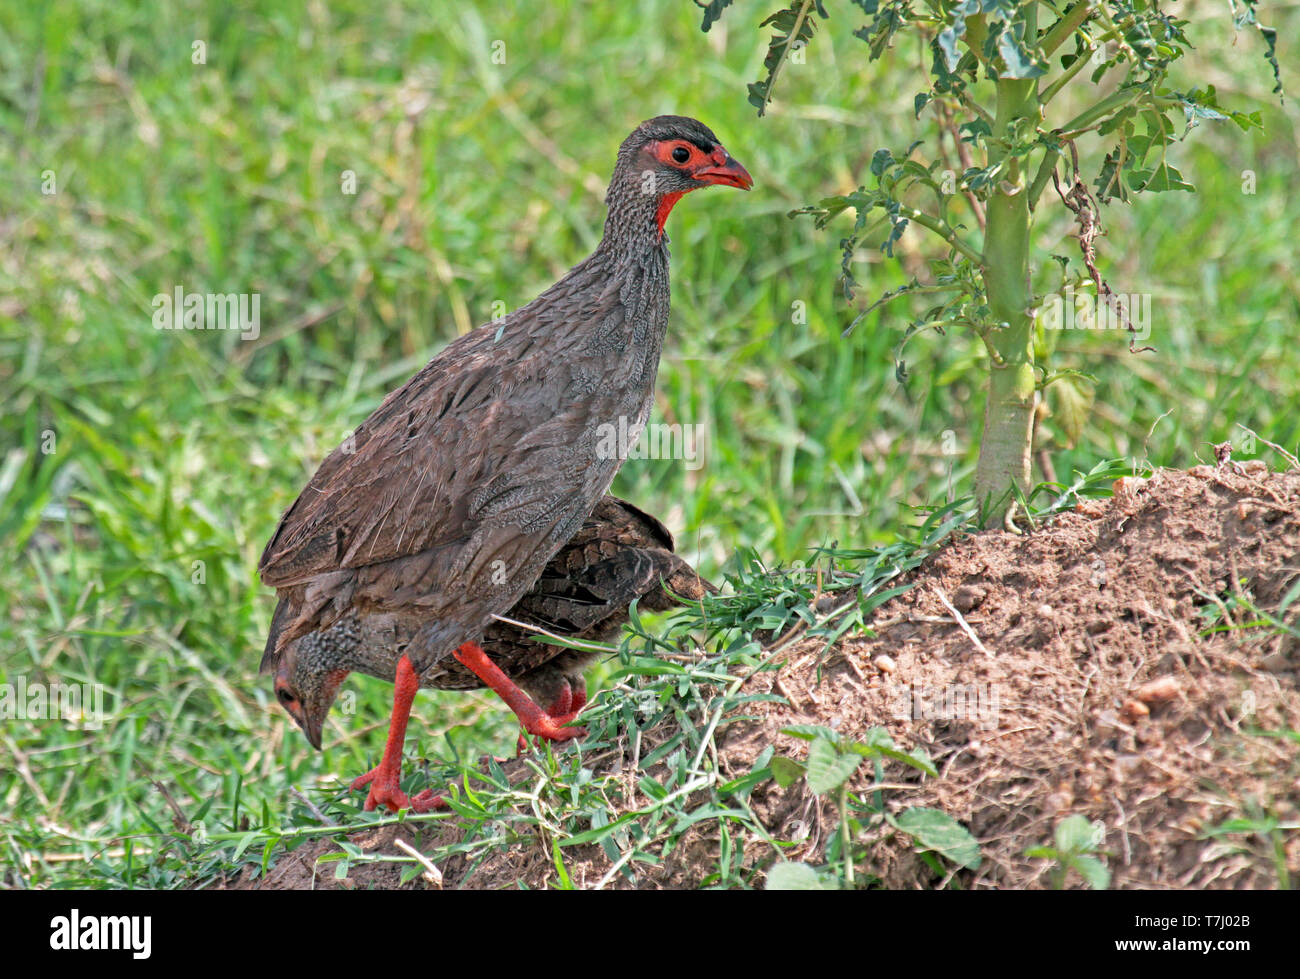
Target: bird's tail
{"x": 271, "y": 655}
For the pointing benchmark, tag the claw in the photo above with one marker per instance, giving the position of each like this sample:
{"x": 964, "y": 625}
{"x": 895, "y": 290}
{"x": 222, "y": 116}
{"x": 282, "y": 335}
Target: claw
{"x": 385, "y": 790}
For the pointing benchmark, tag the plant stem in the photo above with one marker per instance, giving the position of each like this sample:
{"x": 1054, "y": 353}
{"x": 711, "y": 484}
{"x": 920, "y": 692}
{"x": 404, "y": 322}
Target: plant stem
{"x": 846, "y": 850}
{"x": 1098, "y": 111}
{"x": 1067, "y": 25}
{"x": 1049, "y": 93}
{"x": 1009, "y": 411}
{"x": 791, "y": 38}
{"x": 942, "y": 229}
{"x": 1044, "y": 174}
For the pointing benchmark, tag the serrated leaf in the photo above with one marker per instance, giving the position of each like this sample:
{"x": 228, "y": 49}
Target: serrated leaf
{"x": 1162, "y": 178}
{"x": 1016, "y": 55}
{"x": 828, "y": 767}
{"x": 935, "y": 830}
{"x": 712, "y": 12}
{"x": 947, "y": 40}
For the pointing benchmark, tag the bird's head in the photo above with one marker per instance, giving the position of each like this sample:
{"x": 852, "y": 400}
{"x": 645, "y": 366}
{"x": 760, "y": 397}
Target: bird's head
{"x": 667, "y": 157}
{"x": 306, "y": 686}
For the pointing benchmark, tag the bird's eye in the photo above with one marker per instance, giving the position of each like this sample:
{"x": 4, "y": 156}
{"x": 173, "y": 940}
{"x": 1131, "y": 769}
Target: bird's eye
{"x": 284, "y": 695}
{"x": 681, "y": 154}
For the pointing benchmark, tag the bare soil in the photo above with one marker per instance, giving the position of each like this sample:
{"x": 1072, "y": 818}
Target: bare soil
{"x": 1103, "y": 664}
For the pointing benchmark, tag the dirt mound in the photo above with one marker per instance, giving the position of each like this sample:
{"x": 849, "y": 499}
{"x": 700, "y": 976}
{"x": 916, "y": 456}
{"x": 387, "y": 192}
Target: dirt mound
{"x": 1117, "y": 663}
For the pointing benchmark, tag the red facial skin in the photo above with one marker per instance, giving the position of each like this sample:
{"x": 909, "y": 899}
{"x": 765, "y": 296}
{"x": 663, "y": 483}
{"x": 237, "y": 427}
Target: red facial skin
{"x": 714, "y": 167}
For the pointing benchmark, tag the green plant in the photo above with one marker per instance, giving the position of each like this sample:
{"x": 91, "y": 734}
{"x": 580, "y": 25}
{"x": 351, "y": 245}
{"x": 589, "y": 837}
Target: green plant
{"x": 1005, "y": 83}
{"x": 832, "y": 761}
{"x": 1077, "y": 843}
{"x": 1265, "y": 826}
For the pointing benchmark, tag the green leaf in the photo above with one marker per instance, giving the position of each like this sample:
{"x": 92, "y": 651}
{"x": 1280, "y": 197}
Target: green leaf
{"x": 828, "y": 767}
{"x": 1019, "y": 59}
{"x": 244, "y": 842}
{"x": 790, "y": 876}
{"x": 793, "y": 28}
{"x": 1072, "y": 399}
{"x": 881, "y": 160}
{"x": 948, "y": 38}
{"x": 810, "y": 731}
{"x": 786, "y": 771}
{"x": 1094, "y": 872}
{"x": 1076, "y": 835}
{"x": 712, "y": 12}
{"x": 1164, "y": 177}
{"x": 935, "y": 830}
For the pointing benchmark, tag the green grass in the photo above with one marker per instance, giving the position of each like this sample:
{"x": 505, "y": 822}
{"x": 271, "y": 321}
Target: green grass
{"x": 142, "y": 471}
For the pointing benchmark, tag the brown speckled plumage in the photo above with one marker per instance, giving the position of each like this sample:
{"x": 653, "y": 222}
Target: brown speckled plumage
{"x": 619, "y": 555}
{"x": 457, "y": 491}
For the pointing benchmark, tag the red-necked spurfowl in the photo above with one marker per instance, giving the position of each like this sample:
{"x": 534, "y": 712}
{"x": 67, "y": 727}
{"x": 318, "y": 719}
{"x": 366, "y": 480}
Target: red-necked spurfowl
{"x": 449, "y": 501}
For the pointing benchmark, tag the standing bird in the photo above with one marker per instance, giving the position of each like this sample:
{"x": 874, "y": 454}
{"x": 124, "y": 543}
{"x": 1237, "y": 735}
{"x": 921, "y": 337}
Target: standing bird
{"x": 452, "y": 497}
{"x": 619, "y": 555}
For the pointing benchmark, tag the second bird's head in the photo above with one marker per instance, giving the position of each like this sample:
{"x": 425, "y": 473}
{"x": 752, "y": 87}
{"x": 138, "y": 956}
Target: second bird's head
{"x": 668, "y": 156}
{"x": 306, "y": 686}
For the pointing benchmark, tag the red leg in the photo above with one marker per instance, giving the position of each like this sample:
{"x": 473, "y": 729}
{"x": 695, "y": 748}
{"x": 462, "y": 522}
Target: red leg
{"x": 385, "y": 780}
{"x": 534, "y": 719}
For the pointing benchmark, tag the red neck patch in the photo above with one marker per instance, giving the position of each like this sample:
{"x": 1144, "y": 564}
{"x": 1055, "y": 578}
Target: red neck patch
{"x": 665, "y": 206}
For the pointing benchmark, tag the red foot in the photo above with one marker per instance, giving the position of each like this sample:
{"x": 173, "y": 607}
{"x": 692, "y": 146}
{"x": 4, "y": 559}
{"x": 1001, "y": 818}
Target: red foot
{"x": 566, "y": 706}
{"x": 535, "y": 720}
{"x": 387, "y": 792}
{"x": 386, "y": 777}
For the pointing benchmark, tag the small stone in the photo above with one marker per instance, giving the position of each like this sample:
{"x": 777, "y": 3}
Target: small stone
{"x": 1098, "y": 577}
{"x": 1128, "y": 485}
{"x": 1277, "y": 663}
{"x": 1062, "y": 798}
{"x": 1147, "y": 734}
{"x": 1134, "y": 710}
{"x": 1044, "y": 611}
{"x": 1157, "y": 691}
{"x": 1126, "y": 765}
{"x": 884, "y": 664}
{"x": 968, "y": 597}
{"x": 828, "y": 603}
